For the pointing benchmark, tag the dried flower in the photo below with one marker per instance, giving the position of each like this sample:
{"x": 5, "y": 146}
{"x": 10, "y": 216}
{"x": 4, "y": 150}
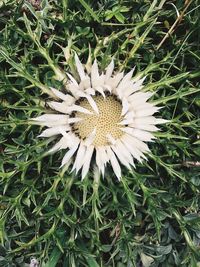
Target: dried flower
{"x": 105, "y": 116}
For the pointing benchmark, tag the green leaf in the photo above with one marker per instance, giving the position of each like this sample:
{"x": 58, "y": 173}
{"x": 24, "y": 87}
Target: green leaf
{"x": 120, "y": 17}
{"x": 89, "y": 9}
{"x": 91, "y": 262}
{"x": 164, "y": 250}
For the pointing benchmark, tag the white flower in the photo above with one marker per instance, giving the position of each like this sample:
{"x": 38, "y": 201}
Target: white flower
{"x": 104, "y": 118}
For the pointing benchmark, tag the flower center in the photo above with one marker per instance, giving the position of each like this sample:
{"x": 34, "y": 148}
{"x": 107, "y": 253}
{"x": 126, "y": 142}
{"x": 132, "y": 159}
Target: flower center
{"x": 105, "y": 123}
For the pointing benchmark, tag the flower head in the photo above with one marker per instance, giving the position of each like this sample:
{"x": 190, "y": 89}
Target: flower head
{"x": 103, "y": 118}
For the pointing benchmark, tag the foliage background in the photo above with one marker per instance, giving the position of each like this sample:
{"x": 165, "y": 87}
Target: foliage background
{"x": 150, "y": 218}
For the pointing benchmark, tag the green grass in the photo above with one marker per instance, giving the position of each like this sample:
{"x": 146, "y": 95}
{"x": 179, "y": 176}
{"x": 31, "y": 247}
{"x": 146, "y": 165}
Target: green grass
{"x": 151, "y": 218}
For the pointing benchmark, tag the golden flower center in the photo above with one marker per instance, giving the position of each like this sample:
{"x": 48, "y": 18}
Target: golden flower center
{"x": 105, "y": 123}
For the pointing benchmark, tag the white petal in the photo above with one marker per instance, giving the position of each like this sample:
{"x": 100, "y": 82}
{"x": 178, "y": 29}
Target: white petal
{"x": 143, "y": 105}
{"x": 122, "y": 87}
{"x": 87, "y": 160}
{"x": 124, "y": 151}
{"x": 50, "y": 117}
{"x": 70, "y": 138}
{"x": 99, "y": 161}
{"x": 88, "y": 64}
{"x": 138, "y": 77}
{"x": 79, "y": 157}
{"x": 137, "y": 143}
{"x": 97, "y": 175}
{"x": 103, "y": 153}
{"x": 139, "y": 98}
{"x": 113, "y": 82}
{"x": 101, "y": 158}
{"x": 80, "y": 93}
{"x": 130, "y": 115}
{"x": 73, "y": 140}
{"x": 70, "y": 100}
{"x": 127, "y": 130}
{"x": 65, "y": 134}
{"x": 61, "y": 144}
{"x": 139, "y": 134}
{"x": 69, "y": 154}
{"x": 85, "y": 83}
{"x": 114, "y": 162}
{"x": 136, "y": 86}
{"x": 100, "y": 90}
{"x": 129, "y": 75}
{"x": 108, "y": 88}
{"x": 144, "y": 112}
{"x": 125, "y": 84}
{"x": 161, "y": 121}
{"x": 80, "y": 68}
{"x": 125, "y": 106}
{"x": 127, "y": 121}
{"x": 74, "y": 120}
{"x": 109, "y": 70}
{"x": 92, "y": 103}
{"x": 111, "y": 139}
{"x": 67, "y": 98}
{"x": 145, "y": 120}
{"x": 99, "y": 81}
{"x": 143, "y": 135}
{"x": 90, "y": 91}
{"x": 136, "y": 153}
{"x": 94, "y": 73}
{"x": 120, "y": 156}
{"x": 146, "y": 127}
{"x": 51, "y": 120}
{"x": 53, "y": 131}
{"x": 74, "y": 82}
{"x": 55, "y": 123}
{"x": 79, "y": 109}
{"x": 73, "y": 89}
{"x": 90, "y": 138}
{"x": 61, "y": 107}
{"x": 98, "y": 158}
